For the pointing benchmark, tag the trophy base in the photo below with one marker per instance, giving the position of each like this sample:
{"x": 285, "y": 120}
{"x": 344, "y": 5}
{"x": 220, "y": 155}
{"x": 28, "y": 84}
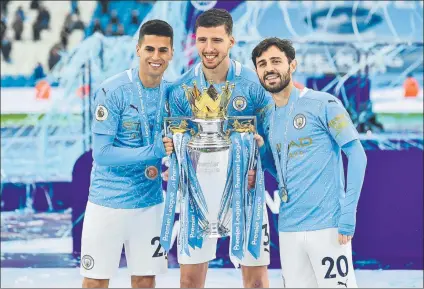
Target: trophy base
{"x": 216, "y": 231}
{"x": 214, "y": 236}
{"x": 213, "y": 230}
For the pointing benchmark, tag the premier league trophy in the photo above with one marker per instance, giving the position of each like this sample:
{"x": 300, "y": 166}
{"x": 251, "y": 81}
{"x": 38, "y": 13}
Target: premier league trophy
{"x": 209, "y": 169}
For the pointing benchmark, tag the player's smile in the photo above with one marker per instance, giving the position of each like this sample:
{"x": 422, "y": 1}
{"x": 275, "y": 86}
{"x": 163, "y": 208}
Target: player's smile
{"x": 210, "y": 58}
{"x": 272, "y": 78}
{"x": 155, "y": 65}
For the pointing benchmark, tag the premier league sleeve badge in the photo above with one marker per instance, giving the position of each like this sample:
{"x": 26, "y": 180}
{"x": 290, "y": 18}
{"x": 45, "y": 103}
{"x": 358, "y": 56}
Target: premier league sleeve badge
{"x": 101, "y": 113}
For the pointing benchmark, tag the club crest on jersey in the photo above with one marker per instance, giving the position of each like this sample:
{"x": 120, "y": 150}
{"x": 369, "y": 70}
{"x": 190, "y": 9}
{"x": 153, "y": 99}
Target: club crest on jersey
{"x": 299, "y": 121}
{"x": 239, "y": 103}
{"x": 87, "y": 262}
{"x": 101, "y": 113}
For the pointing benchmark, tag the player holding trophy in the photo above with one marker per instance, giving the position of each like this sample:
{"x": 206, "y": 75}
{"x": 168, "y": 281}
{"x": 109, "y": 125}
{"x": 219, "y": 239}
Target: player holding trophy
{"x": 215, "y": 168}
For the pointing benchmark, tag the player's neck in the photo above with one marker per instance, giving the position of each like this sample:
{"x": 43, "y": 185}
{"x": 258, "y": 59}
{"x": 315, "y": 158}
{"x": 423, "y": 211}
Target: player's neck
{"x": 149, "y": 81}
{"x": 282, "y": 98}
{"x": 218, "y": 74}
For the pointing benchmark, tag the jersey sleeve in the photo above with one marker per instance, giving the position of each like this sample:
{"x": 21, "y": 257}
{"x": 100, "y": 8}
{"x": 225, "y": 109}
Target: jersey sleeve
{"x": 338, "y": 122}
{"x": 178, "y": 104}
{"x": 106, "y": 154}
{"x": 267, "y": 160}
{"x": 263, "y": 103}
{"x": 107, "y": 112}
{"x": 357, "y": 163}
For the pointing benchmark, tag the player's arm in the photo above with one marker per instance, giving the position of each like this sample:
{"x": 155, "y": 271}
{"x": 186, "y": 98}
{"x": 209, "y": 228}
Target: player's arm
{"x": 109, "y": 106}
{"x": 344, "y": 133}
{"x": 106, "y": 154}
{"x": 178, "y": 107}
{"x": 357, "y": 163}
{"x": 267, "y": 160}
{"x": 263, "y": 104}
{"x": 178, "y": 104}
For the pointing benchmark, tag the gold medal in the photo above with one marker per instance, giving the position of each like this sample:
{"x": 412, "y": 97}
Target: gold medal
{"x": 151, "y": 172}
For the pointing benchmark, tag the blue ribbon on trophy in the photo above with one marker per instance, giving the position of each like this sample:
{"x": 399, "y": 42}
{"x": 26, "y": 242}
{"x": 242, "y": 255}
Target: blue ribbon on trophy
{"x": 213, "y": 165}
{"x": 184, "y": 197}
{"x": 249, "y": 145}
{"x": 170, "y": 203}
{"x": 197, "y": 202}
{"x": 224, "y": 211}
{"x": 255, "y": 237}
{"x": 252, "y": 201}
{"x": 238, "y": 181}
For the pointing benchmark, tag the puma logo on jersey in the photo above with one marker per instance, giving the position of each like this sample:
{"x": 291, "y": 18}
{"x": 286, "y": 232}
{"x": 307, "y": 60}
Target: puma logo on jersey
{"x": 332, "y": 100}
{"x": 133, "y": 106}
{"x": 341, "y": 283}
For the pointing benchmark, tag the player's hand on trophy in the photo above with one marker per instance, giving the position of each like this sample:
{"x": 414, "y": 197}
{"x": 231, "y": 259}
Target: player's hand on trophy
{"x": 259, "y": 140}
{"x": 251, "y": 179}
{"x": 168, "y": 144}
{"x": 343, "y": 239}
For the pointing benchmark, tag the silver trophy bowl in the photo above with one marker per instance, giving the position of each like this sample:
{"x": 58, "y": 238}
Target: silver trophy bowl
{"x": 209, "y": 152}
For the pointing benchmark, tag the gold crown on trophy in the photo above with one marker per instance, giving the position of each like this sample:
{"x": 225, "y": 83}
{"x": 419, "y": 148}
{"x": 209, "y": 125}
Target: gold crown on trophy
{"x": 209, "y": 104}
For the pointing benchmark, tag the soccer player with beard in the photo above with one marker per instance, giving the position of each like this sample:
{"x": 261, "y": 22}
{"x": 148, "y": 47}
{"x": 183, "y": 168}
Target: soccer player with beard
{"x": 213, "y": 42}
{"x": 307, "y": 131}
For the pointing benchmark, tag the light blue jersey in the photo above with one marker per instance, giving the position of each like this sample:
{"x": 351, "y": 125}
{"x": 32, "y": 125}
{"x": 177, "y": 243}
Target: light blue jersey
{"x": 307, "y": 135}
{"x": 248, "y": 98}
{"x": 126, "y": 174}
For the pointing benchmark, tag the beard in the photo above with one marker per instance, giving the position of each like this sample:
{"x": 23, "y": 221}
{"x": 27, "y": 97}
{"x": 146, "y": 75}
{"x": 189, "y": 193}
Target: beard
{"x": 276, "y": 88}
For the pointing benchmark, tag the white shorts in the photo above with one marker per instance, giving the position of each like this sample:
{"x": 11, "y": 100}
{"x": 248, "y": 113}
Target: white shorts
{"x": 208, "y": 250}
{"x": 316, "y": 259}
{"x": 107, "y": 230}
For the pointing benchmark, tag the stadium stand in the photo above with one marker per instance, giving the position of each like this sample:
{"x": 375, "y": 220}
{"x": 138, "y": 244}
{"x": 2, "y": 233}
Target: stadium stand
{"x": 67, "y": 27}
{"x": 38, "y": 51}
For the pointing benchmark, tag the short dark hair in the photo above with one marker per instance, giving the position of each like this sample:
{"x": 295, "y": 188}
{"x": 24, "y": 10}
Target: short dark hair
{"x": 284, "y": 45}
{"x": 214, "y": 18}
{"x": 156, "y": 27}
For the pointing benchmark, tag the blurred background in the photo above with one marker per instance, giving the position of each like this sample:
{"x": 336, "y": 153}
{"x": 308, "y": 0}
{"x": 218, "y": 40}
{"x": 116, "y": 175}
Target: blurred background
{"x": 54, "y": 55}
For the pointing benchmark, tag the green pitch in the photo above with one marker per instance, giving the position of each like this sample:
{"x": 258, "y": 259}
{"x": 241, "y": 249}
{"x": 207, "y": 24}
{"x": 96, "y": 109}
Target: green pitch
{"x": 32, "y": 119}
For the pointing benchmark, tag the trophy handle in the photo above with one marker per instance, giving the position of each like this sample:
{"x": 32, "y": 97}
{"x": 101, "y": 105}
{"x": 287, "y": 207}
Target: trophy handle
{"x": 174, "y": 125}
{"x": 242, "y": 124}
